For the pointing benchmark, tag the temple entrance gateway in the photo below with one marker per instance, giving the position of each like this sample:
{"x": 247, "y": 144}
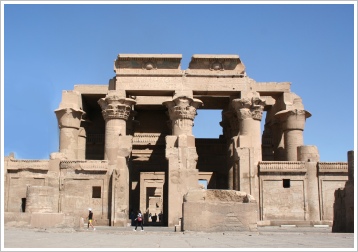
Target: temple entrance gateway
{"x": 129, "y": 145}
{"x": 152, "y": 197}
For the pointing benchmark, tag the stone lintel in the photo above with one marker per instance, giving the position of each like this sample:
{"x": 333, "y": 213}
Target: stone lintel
{"x": 152, "y": 100}
{"x": 216, "y": 64}
{"x": 272, "y": 88}
{"x": 269, "y": 100}
{"x": 92, "y": 89}
{"x": 174, "y": 57}
{"x": 148, "y": 64}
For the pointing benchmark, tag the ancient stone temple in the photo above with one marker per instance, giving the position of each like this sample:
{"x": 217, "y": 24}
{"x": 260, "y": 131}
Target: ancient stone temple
{"x": 128, "y": 145}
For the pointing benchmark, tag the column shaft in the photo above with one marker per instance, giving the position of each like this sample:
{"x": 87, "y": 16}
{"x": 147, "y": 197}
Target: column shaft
{"x": 248, "y": 150}
{"x": 69, "y": 142}
{"x": 293, "y": 123}
{"x": 114, "y": 128}
{"x": 81, "y": 154}
{"x": 293, "y": 139}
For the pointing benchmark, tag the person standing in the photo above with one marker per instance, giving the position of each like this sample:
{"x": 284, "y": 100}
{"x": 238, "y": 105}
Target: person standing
{"x": 139, "y": 220}
{"x": 154, "y": 218}
{"x": 132, "y": 216}
{"x": 90, "y": 219}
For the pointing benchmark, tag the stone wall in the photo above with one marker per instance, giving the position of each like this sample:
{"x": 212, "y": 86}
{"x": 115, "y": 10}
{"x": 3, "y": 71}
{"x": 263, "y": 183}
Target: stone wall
{"x": 219, "y": 210}
{"x": 288, "y": 190}
{"x": 331, "y": 176}
{"x": 42, "y": 220}
{"x": 343, "y": 219}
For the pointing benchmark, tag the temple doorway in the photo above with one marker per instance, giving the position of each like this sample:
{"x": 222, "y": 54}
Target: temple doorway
{"x": 152, "y": 197}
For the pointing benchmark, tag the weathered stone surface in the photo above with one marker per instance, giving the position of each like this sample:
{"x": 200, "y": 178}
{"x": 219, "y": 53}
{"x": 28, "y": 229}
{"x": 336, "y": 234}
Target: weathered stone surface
{"x": 202, "y": 64}
{"x": 218, "y": 195}
{"x": 220, "y": 210}
{"x": 42, "y": 199}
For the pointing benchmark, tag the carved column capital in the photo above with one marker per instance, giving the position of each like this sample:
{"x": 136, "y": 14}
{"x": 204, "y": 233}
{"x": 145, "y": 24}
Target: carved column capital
{"x": 182, "y": 111}
{"x": 182, "y": 108}
{"x": 293, "y": 119}
{"x": 115, "y": 107}
{"x": 249, "y": 107}
{"x": 69, "y": 117}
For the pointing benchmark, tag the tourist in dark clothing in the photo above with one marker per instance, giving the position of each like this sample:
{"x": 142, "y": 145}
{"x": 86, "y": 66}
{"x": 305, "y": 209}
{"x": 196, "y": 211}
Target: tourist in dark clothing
{"x": 90, "y": 219}
{"x": 139, "y": 220}
{"x": 132, "y": 217}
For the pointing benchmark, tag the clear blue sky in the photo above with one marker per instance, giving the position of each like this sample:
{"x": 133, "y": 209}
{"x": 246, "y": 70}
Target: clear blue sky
{"x": 50, "y": 48}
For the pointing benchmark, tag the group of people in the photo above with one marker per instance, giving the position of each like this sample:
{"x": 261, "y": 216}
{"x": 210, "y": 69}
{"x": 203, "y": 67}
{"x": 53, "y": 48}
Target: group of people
{"x": 155, "y": 217}
{"x": 138, "y": 220}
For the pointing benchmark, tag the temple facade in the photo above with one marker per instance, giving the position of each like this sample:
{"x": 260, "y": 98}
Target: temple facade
{"x": 129, "y": 145}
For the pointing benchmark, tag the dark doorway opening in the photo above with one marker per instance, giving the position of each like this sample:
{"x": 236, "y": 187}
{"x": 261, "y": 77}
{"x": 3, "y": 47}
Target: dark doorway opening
{"x": 23, "y": 205}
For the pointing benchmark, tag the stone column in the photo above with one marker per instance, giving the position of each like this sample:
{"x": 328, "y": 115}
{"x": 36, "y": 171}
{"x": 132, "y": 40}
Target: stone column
{"x": 248, "y": 150}
{"x": 267, "y": 144}
{"x": 82, "y": 143}
{"x": 230, "y": 124}
{"x": 278, "y": 141}
{"x": 249, "y": 113}
{"x": 69, "y": 121}
{"x": 181, "y": 154}
{"x": 310, "y": 155}
{"x": 293, "y": 123}
{"x": 116, "y": 111}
